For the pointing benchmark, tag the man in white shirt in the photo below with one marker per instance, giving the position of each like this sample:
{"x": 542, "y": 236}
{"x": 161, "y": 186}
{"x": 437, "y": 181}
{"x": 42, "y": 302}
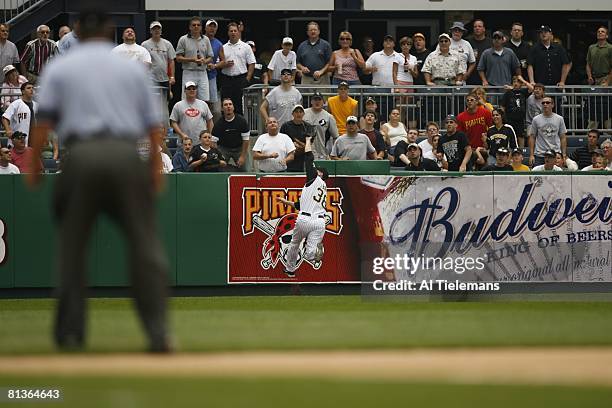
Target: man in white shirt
{"x": 284, "y": 58}
{"x": 549, "y": 162}
{"x": 463, "y": 47}
{"x": 6, "y": 167}
{"x": 239, "y": 67}
{"x": 18, "y": 116}
{"x": 380, "y": 65}
{"x": 131, "y": 50}
{"x": 273, "y": 150}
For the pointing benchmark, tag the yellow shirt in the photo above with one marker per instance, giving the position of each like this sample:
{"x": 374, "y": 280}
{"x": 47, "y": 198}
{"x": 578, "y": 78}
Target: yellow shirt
{"x": 520, "y": 167}
{"x": 341, "y": 110}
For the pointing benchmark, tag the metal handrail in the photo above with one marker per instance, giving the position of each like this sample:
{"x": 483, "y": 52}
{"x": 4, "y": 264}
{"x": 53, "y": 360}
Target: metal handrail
{"x": 13, "y": 9}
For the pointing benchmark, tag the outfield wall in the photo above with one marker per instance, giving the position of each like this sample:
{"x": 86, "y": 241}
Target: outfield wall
{"x": 193, "y": 217}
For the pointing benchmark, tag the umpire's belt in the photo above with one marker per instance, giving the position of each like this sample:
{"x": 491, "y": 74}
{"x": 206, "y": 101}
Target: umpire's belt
{"x": 310, "y": 215}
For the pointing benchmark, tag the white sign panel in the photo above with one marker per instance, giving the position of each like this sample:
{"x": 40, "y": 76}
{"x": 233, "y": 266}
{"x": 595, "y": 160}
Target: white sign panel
{"x": 239, "y": 5}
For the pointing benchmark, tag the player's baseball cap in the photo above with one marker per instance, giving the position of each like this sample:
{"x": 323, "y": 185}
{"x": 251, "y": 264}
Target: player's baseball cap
{"x": 550, "y": 153}
{"x": 190, "y": 83}
{"x": 352, "y": 119}
{"x": 317, "y": 95}
{"x": 502, "y": 150}
{"x": 450, "y": 118}
{"x": 287, "y": 40}
{"x": 298, "y": 106}
{"x": 155, "y": 24}
{"x": 211, "y": 22}
{"x": 323, "y": 170}
{"x": 8, "y": 69}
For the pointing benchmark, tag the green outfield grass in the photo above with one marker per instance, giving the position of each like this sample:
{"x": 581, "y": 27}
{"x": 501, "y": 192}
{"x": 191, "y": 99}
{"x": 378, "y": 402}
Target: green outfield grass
{"x": 306, "y": 393}
{"x": 313, "y": 322}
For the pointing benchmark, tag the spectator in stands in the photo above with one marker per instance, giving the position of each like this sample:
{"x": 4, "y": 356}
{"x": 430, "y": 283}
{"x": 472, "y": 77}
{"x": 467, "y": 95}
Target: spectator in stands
{"x": 547, "y": 132}
{"x": 474, "y": 121}
{"x": 21, "y": 154}
{"x": 313, "y": 57}
{"x": 284, "y": 58}
{"x": 412, "y": 135}
{"x": 371, "y": 106}
{"x": 11, "y": 87}
{"x": 455, "y": 146}
{"x": 162, "y": 65}
{"x": 130, "y": 50}
{"x": 405, "y": 67}
{"x": 232, "y": 133}
{"x": 367, "y": 49}
{"x": 517, "y": 160}
{"x": 606, "y": 146}
{"x": 499, "y": 135}
{"x": 380, "y": 65}
{"x": 69, "y": 40}
{"x": 498, "y": 64}
{"x": 191, "y": 116}
{"x": 194, "y": 52}
{"x": 534, "y": 104}
{"x": 550, "y": 158}
{"x": 520, "y": 48}
{"x": 180, "y": 161}
{"x": 394, "y": 130}
{"x": 6, "y": 167}
{"x": 37, "y": 54}
{"x": 599, "y": 60}
{"x": 279, "y": 102}
{"x": 565, "y": 163}
{"x": 502, "y": 161}
{"x": 416, "y": 162}
{"x": 21, "y": 114}
{"x": 325, "y": 126}
{"x": 166, "y": 162}
{"x": 514, "y": 104}
{"x": 9, "y": 54}
{"x": 353, "y": 145}
{"x": 346, "y": 61}
{"x": 548, "y": 63}
{"x": 217, "y": 62}
{"x": 205, "y": 158}
{"x": 444, "y": 66}
{"x": 432, "y": 129}
{"x": 376, "y": 138}
{"x": 433, "y": 154}
{"x": 341, "y": 106}
{"x": 273, "y": 150}
{"x": 298, "y": 130}
{"x": 399, "y": 157}
{"x": 421, "y": 53}
{"x": 464, "y": 48}
{"x": 260, "y": 70}
{"x": 63, "y": 30}
{"x": 481, "y": 95}
{"x": 598, "y": 161}
{"x": 583, "y": 154}
{"x": 479, "y": 159}
{"x": 479, "y": 42}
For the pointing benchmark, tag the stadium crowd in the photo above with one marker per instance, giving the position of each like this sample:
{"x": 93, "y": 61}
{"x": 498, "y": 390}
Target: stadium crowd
{"x": 213, "y": 134}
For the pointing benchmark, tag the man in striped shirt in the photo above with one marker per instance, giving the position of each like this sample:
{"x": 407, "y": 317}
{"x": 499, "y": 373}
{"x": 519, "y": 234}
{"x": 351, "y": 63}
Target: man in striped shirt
{"x": 37, "y": 53}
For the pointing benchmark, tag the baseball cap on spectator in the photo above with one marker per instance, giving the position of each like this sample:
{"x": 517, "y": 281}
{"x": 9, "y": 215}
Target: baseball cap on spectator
{"x": 418, "y": 35}
{"x": 190, "y": 83}
{"x": 370, "y": 100}
{"x": 550, "y": 153}
{"x": 286, "y": 71}
{"x": 155, "y": 24}
{"x": 298, "y": 106}
{"x": 317, "y": 95}
{"x": 598, "y": 152}
{"x": 545, "y": 29}
{"x": 444, "y": 35}
{"x": 450, "y": 117}
{"x": 19, "y": 135}
{"x": 352, "y": 119}
{"x": 517, "y": 151}
{"x": 251, "y": 43}
{"x": 498, "y": 34}
{"x": 413, "y": 145}
{"x": 8, "y": 69}
{"x": 343, "y": 84}
{"x": 502, "y": 150}
{"x": 459, "y": 25}
{"x": 389, "y": 37}
{"x": 287, "y": 40}
{"x": 211, "y": 21}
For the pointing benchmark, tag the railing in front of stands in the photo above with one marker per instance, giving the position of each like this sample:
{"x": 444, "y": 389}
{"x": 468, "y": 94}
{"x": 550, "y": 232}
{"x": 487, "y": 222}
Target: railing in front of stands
{"x": 583, "y": 107}
{"x": 14, "y": 8}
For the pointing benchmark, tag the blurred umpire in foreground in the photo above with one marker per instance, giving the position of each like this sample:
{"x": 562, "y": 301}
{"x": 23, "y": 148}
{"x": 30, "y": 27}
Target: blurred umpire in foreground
{"x": 99, "y": 116}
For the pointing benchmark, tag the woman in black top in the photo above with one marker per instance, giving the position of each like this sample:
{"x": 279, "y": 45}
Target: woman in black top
{"x": 500, "y": 135}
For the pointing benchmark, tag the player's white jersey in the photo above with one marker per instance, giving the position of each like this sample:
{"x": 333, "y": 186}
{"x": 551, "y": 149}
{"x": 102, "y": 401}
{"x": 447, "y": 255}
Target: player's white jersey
{"x": 314, "y": 197}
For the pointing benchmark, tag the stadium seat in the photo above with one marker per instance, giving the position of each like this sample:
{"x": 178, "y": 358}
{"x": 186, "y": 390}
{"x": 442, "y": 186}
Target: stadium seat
{"x": 172, "y": 142}
{"x": 574, "y": 141}
{"x": 50, "y": 165}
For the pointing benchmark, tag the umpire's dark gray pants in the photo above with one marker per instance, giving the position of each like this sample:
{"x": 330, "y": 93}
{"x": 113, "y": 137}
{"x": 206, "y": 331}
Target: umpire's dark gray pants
{"x": 108, "y": 176}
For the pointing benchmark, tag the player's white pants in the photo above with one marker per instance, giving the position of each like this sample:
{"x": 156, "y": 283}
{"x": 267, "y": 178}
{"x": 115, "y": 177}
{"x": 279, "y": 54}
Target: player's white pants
{"x": 311, "y": 228}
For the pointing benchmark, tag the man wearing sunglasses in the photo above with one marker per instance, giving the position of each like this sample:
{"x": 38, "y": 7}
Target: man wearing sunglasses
{"x": 37, "y": 53}
{"x": 444, "y": 66}
{"x": 547, "y": 132}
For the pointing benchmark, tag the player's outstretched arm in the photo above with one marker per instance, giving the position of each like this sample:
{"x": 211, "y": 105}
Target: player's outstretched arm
{"x": 309, "y": 167}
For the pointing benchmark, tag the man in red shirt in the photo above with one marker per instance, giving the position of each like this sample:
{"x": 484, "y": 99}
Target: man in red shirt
{"x": 22, "y": 154}
{"x": 474, "y": 121}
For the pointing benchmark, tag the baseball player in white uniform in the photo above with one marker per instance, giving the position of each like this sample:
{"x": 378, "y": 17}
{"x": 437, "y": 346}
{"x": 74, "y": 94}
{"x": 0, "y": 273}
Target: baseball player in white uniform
{"x": 310, "y": 224}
